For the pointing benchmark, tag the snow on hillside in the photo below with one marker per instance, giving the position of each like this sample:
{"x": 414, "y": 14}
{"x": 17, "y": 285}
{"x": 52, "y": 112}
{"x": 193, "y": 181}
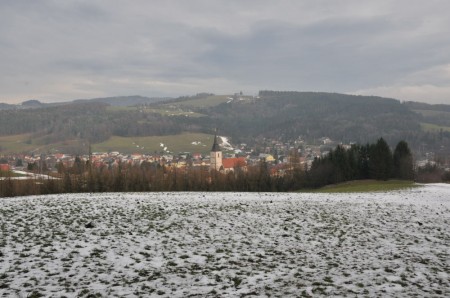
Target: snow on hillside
{"x": 227, "y": 244}
{"x": 225, "y": 143}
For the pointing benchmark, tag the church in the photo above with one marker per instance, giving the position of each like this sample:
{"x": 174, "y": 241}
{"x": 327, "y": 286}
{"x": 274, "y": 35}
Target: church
{"x": 224, "y": 165}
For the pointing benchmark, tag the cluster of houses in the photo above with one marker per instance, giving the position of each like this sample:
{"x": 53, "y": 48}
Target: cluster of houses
{"x": 279, "y": 157}
{"x": 275, "y": 154}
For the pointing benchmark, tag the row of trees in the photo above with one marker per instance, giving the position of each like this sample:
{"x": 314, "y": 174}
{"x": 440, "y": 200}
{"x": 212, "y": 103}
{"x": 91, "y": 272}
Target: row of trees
{"x": 128, "y": 178}
{"x": 372, "y": 161}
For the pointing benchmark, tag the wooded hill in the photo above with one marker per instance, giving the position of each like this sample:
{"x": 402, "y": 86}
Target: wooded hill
{"x": 287, "y": 115}
{"x": 276, "y": 115}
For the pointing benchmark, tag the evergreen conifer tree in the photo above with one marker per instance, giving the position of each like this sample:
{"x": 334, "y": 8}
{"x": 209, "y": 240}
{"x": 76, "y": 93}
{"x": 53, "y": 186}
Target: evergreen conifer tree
{"x": 403, "y": 162}
{"x": 380, "y": 161}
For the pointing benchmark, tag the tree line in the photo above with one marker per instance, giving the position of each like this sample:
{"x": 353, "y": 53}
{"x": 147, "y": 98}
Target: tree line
{"x": 371, "y": 161}
{"x": 147, "y": 177}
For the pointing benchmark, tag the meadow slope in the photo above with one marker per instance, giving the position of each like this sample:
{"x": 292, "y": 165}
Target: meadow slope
{"x": 227, "y": 244}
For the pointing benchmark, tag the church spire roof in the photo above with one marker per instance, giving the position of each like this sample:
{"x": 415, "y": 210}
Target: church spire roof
{"x": 215, "y": 147}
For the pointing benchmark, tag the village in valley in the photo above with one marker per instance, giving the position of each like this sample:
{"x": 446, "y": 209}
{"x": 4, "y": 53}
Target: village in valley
{"x": 224, "y": 157}
{"x": 278, "y": 156}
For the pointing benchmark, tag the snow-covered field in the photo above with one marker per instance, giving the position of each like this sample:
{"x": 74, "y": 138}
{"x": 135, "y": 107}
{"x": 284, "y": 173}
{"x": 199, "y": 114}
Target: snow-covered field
{"x": 227, "y": 244}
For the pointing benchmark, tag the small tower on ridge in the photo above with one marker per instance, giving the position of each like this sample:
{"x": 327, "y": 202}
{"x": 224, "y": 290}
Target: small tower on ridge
{"x": 216, "y": 155}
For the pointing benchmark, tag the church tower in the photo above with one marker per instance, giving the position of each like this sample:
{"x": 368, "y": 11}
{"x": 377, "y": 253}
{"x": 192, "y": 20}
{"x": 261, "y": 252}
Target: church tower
{"x": 216, "y": 155}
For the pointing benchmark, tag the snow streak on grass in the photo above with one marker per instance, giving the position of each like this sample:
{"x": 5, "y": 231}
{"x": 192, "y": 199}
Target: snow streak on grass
{"x": 226, "y": 244}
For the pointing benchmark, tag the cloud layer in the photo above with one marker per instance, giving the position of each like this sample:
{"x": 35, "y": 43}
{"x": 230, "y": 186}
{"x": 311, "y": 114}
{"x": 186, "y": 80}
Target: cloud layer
{"x": 60, "y": 50}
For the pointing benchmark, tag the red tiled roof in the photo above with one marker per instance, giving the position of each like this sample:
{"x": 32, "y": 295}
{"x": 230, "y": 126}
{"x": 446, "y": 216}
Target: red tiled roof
{"x": 229, "y": 163}
{"x": 4, "y": 167}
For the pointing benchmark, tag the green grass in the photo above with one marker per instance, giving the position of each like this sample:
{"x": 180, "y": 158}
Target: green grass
{"x": 16, "y": 143}
{"x": 26, "y": 143}
{"x": 173, "y": 111}
{"x": 432, "y": 113}
{"x": 121, "y": 109}
{"x": 366, "y": 186}
{"x": 10, "y": 174}
{"x": 5, "y": 174}
{"x": 174, "y": 143}
{"x": 165, "y": 110}
{"x": 433, "y": 127}
{"x": 209, "y": 101}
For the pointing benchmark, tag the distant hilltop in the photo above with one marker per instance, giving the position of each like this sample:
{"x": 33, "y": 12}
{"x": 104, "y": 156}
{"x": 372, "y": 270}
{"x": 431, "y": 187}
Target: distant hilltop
{"x": 125, "y": 101}
{"x": 32, "y": 103}
{"x": 118, "y": 101}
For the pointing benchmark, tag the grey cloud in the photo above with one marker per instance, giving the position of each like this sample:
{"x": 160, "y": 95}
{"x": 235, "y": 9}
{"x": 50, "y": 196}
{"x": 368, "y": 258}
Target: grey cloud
{"x": 65, "y": 49}
{"x": 335, "y": 53}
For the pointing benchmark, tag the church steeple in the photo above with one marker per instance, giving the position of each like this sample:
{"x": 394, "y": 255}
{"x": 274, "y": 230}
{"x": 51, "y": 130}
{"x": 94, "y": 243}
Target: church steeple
{"x": 216, "y": 155}
{"x": 215, "y": 147}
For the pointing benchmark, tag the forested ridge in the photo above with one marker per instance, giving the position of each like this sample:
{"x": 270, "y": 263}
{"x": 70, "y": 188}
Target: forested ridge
{"x": 287, "y": 115}
{"x": 90, "y": 121}
{"x": 275, "y": 115}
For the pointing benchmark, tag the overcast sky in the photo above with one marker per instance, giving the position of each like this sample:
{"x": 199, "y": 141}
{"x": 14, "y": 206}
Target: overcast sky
{"x": 55, "y": 50}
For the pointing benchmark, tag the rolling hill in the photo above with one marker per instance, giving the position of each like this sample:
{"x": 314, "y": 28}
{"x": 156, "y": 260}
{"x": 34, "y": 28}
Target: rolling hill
{"x": 273, "y": 115}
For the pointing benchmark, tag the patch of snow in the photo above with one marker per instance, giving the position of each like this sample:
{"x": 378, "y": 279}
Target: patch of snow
{"x": 29, "y": 176}
{"x": 225, "y": 143}
{"x": 227, "y": 244}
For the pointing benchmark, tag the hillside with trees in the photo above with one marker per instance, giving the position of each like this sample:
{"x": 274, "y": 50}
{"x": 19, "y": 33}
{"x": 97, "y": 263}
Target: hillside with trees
{"x": 272, "y": 115}
{"x": 89, "y": 121}
{"x": 287, "y": 115}
{"x": 312, "y": 115}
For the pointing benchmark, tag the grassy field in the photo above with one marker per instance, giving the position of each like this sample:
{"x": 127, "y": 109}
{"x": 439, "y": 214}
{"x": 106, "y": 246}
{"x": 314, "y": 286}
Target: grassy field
{"x": 433, "y": 127}
{"x": 25, "y": 143}
{"x": 121, "y": 109}
{"x": 7, "y": 174}
{"x": 16, "y": 143}
{"x": 182, "y": 108}
{"x": 209, "y": 101}
{"x": 188, "y": 142}
{"x": 173, "y": 111}
{"x": 433, "y": 113}
{"x": 166, "y": 110}
{"x": 367, "y": 186}
{"x": 10, "y": 174}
